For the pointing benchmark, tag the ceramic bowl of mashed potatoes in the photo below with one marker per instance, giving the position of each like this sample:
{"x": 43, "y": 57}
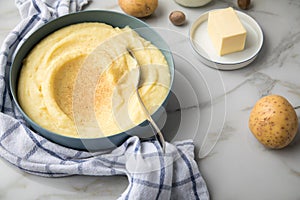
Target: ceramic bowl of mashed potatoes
{"x": 73, "y": 79}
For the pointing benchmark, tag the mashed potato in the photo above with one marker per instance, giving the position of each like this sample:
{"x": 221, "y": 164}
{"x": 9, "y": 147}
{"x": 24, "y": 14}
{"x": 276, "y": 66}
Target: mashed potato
{"x": 50, "y": 74}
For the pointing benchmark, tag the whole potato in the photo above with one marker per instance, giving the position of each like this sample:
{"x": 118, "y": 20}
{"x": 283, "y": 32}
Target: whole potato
{"x": 273, "y": 121}
{"x": 138, "y": 8}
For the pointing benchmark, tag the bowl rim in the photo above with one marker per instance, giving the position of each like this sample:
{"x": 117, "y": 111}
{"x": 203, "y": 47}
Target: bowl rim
{"x": 170, "y": 62}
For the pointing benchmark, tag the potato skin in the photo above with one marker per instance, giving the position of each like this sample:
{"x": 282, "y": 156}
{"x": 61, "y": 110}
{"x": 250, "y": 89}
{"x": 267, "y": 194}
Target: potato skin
{"x": 273, "y": 121}
{"x": 138, "y": 8}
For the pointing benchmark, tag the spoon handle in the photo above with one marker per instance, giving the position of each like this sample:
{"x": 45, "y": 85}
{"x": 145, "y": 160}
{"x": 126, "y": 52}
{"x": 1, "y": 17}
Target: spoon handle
{"x": 159, "y": 136}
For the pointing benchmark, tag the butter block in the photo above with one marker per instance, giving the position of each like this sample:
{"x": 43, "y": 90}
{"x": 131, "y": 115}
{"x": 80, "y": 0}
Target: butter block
{"x": 226, "y": 31}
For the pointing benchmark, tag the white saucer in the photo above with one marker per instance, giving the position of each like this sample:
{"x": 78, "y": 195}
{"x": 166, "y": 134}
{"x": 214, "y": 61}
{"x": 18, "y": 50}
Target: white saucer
{"x": 203, "y": 46}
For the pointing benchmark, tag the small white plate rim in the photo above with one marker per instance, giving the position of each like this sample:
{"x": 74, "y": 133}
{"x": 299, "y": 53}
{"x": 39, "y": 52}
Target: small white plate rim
{"x": 235, "y": 64}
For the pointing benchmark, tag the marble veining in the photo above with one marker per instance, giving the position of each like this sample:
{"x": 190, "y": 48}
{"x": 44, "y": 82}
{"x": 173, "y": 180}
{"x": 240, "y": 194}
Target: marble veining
{"x": 282, "y": 52}
{"x": 238, "y": 167}
{"x": 294, "y": 3}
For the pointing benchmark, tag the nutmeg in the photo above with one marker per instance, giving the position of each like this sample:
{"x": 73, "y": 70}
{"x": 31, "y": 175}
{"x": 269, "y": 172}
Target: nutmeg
{"x": 177, "y": 18}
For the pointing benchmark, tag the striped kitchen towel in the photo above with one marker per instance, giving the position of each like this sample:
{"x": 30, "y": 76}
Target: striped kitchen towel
{"x": 151, "y": 174}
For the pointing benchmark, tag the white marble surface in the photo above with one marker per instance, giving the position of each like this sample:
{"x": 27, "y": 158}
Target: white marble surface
{"x": 238, "y": 167}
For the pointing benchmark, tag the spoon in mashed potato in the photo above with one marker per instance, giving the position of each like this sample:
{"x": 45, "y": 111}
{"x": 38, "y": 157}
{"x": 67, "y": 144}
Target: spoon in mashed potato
{"x": 157, "y": 132}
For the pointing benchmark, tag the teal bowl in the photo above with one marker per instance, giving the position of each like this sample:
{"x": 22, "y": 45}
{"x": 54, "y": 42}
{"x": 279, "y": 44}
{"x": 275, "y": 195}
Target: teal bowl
{"x": 114, "y": 19}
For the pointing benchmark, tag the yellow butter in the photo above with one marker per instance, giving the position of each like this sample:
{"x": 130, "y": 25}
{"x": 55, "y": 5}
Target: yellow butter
{"x": 226, "y": 31}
